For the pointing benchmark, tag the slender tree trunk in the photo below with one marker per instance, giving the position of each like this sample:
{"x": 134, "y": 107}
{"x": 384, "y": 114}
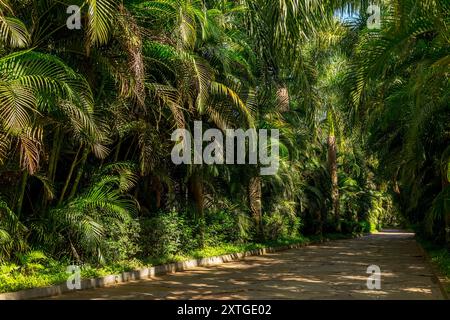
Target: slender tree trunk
{"x": 79, "y": 173}
{"x": 332, "y": 167}
{"x": 198, "y": 194}
{"x": 51, "y": 160}
{"x": 23, "y": 185}
{"x": 254, "y": 197}
{"x": 69, "y": 176}
{"x": 74, "y": 251}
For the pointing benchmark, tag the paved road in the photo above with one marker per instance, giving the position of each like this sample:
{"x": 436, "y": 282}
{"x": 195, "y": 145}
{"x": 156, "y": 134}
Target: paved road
{"x": 334, "y": 270}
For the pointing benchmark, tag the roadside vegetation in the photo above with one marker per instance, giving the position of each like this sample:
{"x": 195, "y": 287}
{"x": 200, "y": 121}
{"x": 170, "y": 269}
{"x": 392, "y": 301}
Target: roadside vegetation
{"x": 86, "y": 117}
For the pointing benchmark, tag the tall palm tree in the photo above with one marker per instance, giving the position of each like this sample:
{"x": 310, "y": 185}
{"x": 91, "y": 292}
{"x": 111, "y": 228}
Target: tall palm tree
{"x": 400, "y": 85}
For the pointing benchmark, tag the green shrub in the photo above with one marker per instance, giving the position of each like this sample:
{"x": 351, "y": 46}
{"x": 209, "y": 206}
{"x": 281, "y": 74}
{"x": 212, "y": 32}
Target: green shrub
{"x": 34, "y": 269}
{"x": 164, "y": 234}
{"x": 282, "y": 221}
{"x": 226, "y": 227}
{"x": 122, "y": 240}
{"x": 278, "y": 226}
{"x": 13, "y": 233}
{"x": 32, "y": 261}
{"x": 364, "y": 227}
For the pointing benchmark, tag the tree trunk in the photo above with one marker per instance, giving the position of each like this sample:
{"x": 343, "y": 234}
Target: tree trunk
{"x": 332, "y": 167}
{"x": 196, "y": 182}
{"x": 79, "y": 173}
{"x": 69, "y": 176}
{"x": 23, "y": 185}
{"x": 254, "y": 197}
{"x": 54, "y": 155}
{"x": 53, "y": 161}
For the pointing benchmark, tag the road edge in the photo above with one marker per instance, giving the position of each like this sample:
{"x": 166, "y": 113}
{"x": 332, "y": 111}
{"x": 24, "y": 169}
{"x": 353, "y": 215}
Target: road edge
{"x": 437, "y": 275}
{"x": 144, "y": 273}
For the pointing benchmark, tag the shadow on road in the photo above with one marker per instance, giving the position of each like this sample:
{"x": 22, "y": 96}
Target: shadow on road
{"x": 334, "y": 270}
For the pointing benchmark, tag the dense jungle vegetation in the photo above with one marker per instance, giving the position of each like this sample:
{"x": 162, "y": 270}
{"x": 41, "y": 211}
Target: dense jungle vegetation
{"x": 86, "y": 117}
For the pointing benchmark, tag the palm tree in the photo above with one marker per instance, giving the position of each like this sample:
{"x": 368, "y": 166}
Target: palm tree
{"x": 198, "y": 38}
{"x": 400, "y": 86}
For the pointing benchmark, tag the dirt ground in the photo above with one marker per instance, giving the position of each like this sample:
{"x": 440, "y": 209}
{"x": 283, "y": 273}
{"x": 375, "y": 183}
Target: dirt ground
{"x": 333, "y": 270}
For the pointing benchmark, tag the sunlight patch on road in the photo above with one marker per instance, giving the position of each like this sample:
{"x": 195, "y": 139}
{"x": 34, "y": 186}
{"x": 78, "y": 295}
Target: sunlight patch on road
{"x": 417, "y": 290}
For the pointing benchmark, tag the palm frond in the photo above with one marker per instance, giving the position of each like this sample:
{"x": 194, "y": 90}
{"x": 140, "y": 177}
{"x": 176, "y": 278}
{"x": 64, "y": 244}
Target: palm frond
{"x": 13, "y": 32}
{"x": 100, "y": 20}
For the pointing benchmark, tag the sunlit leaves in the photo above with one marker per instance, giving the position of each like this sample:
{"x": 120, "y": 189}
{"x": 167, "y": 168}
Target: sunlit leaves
{"x": 83, "y": 218}
{"x": 4, "y": 146}
{"x": 30, "y": 143}
{"x": 34, "y": 85}
{"x": 12, "y": 232}
{"x": 226, "y": 92}
{"x": 17, "y": 103}
{"x": 100, "y": 20}
{"x": 13, "y": 32}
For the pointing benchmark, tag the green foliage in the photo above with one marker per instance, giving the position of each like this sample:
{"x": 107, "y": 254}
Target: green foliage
{"x": 32, "y": 261}
{"x": 365, "y": 227}
{"x": 79, "y": 227}
{"x": 86, "y": 118}
{"x": 440, "y": 257}
{"x": 165, "y": 235}
{"x": 33, "y": 269}
{"x": 226, "y": 227}
{"x": 278, "y": 226}
{"x": 15, "y": 277}
{"x": 122, "y": 240}
{"x": 435, "y": 216}
{"x": 12, "y": 233}
{"x": 400, "y": 93}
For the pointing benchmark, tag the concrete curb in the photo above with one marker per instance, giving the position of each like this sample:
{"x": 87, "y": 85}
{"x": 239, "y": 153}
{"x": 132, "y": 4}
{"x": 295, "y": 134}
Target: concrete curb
{"x": 438, "y": 277}
{"x": 139, "y": 274}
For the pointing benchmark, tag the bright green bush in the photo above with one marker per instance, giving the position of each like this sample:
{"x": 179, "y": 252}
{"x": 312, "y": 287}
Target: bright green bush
{"x": 226, "y": 227}
{"x": 33, "y": 269}
{"x": 364, "y": 227}
{"x": 164, "y": 234}
{"x": 122, "y": 240}
{"x": 277, "y": 226}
